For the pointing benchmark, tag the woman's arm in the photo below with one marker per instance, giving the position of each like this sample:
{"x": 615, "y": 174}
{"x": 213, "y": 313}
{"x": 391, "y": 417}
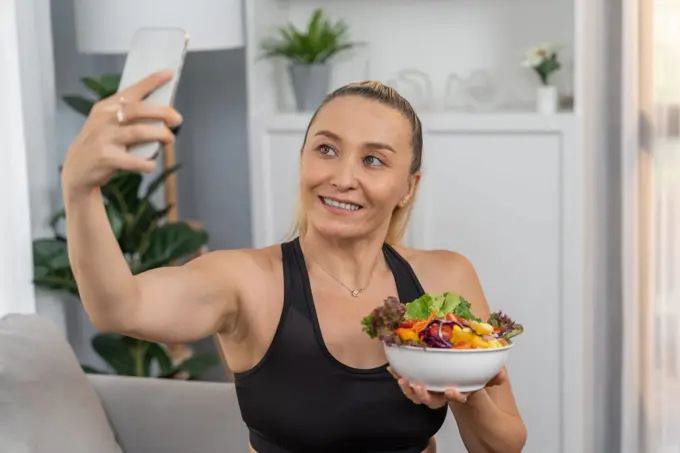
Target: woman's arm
{"x": 174, "y": 304}
{"x": 171, "y": 304}
{"x": 489, "y": 422}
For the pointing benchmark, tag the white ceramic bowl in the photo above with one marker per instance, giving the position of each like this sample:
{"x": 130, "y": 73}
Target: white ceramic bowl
{"x": 466, "y": 370}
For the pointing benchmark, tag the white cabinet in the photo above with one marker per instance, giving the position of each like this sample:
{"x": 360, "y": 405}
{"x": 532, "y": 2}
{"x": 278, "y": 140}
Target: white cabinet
{"x": 506, "y": 191}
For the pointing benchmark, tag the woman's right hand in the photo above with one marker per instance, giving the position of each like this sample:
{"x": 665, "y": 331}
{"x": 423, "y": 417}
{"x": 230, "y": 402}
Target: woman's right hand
{"x": 111, "y": 127}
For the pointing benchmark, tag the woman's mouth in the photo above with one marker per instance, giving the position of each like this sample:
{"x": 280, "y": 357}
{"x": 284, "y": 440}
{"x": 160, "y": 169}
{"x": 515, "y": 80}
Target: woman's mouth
{"x": 339, "y": 204}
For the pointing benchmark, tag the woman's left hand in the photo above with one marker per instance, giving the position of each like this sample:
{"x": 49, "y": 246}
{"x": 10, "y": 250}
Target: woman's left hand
{"x": 435, "y": 400}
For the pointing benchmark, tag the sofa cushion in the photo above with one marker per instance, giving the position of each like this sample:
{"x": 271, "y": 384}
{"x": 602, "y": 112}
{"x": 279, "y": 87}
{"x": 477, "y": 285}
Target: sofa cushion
{"x": 47, "y": 403}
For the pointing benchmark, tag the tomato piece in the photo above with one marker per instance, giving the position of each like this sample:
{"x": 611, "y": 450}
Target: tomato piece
{"x": 446, "y": 332}
{"x": 407, "y": 324}
{"x": 458, "y": 319}
{"x": 434, "y": 330}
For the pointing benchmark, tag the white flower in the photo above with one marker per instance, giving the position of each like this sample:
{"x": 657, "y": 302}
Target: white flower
{"x": 534, "y": 56}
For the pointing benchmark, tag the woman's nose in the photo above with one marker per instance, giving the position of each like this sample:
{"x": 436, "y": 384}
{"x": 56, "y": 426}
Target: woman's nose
{"x": 345, "y": 175}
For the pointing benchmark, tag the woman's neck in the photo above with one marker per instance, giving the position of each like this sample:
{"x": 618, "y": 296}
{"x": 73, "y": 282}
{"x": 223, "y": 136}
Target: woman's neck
{"x": 352, "y": 262}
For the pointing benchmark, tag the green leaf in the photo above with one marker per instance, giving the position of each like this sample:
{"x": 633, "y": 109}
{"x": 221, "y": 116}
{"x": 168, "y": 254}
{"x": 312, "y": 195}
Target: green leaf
{"x": 450, "y": 302}
{"x": 321, "y": 41}
{"x": 138, "y": 349}
{"x": 463, "y": 310}
{"x": 79, "y": 104}
{"x": 49, "y": 254}
{"x": 158, "y": 181}
{"x": 116, "y": 220}
{"x": 95, "y": 86}
{"x": 157, "y": 353}
{"x": 122, "y": 191}
{"x": 114, "y": 349}
{"x": 194, "y": 366}
{"x": 171, "y": 242}
{"x": 104, "y": 86}
{"x": 110, "y": 83}
{"x": 420, "y": 308}
{"x": 91, "y": 370}
{"x": 140, "y": 226}
{"x": 51, "y": 267}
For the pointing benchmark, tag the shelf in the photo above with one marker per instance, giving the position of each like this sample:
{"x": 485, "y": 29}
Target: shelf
{"x": 434, "y": 122}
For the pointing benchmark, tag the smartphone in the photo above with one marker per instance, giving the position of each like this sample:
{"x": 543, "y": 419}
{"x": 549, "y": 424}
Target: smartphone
{"x": 153, "y": 50}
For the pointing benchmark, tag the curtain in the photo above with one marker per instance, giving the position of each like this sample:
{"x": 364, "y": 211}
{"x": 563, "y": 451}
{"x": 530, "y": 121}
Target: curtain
{"x": 660, "y": 268}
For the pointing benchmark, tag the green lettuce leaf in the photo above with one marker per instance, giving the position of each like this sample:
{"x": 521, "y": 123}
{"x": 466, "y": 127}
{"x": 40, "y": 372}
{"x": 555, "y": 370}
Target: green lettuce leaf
{"x": 443, "y": 304}
{"x": 463, "y": 310}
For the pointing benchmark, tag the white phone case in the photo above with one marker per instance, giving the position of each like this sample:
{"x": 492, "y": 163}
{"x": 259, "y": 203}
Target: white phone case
{"x": 153, "y": 50}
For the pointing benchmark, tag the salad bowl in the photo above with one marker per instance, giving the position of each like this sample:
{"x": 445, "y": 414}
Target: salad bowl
{"x": 437, "y": 342}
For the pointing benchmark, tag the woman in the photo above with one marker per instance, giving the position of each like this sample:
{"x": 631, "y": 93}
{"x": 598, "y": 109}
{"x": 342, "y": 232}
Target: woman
{"x": 288, "y": 316}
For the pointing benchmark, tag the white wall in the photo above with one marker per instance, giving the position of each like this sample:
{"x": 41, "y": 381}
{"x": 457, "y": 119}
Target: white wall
{"x": 16, "y": 266}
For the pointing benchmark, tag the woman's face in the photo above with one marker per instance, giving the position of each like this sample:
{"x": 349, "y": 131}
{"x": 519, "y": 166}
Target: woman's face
{"x": 355, "y": 167}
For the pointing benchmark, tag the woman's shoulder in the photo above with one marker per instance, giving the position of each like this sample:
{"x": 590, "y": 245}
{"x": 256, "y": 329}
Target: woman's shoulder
{"x": 246, "y": 261}
{"x": 439, "y": 270}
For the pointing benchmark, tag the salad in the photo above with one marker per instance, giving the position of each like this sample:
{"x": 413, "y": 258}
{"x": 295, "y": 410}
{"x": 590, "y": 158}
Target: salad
{"x": 438, "y": 321}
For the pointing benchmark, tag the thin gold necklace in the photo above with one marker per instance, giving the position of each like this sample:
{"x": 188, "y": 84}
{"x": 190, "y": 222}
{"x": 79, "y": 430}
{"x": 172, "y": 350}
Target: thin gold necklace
{"x": 354, "y": 292}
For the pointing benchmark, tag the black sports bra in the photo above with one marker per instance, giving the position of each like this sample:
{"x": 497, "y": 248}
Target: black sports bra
{"x": 299, "y": 398}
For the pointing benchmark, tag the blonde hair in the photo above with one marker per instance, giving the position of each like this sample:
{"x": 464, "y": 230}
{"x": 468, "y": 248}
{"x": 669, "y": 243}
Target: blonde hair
{"x": 390, "y": 97}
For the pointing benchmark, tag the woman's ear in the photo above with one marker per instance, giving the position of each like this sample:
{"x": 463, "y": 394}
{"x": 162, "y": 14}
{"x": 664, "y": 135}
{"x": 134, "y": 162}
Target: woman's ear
{"x": 413, "y": 182}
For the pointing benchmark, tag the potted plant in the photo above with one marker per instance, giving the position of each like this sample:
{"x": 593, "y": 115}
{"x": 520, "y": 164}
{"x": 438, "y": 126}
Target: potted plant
{"x": 147, "y": 241}
{"x": 543, "y": 59}
{"x": 309, "y": 52}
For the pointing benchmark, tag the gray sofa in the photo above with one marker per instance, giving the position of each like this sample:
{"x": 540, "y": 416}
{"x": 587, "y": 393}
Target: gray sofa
{"x": 48, "y": 405}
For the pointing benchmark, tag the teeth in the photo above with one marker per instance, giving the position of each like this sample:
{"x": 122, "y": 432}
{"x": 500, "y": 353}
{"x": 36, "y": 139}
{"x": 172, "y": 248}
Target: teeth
{"x": 336, "y": 204}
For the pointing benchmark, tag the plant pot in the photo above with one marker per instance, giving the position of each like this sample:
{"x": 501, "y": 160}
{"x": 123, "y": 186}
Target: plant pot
{"x": 310, "y": 84}
{"x": 546, "y": 99}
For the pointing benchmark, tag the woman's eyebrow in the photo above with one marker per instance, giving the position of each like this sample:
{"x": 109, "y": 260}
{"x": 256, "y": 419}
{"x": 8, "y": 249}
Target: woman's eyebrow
{"x": 370, "y": 145}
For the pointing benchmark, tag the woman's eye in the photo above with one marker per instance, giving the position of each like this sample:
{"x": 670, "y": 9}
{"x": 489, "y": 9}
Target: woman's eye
{"x": 372, "y": 161}
{"x": 326, "y": 150}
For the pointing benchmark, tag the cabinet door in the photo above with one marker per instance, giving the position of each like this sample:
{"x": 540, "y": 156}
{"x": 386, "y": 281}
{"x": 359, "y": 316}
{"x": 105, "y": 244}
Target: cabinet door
{"x": 275, "y": 161}
{"x": 496, "y": 198}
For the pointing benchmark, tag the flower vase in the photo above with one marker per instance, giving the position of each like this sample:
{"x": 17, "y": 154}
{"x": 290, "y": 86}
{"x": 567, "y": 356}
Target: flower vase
{"x": 310, "y": 84}
{"x": 546, "y": 99}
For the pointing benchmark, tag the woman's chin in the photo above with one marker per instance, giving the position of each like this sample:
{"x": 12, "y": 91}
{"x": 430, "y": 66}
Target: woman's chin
{"x": 339, "y": 230}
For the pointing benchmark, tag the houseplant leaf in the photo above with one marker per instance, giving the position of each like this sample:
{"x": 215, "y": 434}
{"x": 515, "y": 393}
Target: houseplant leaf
{"x": 136, "y": 223}
{"x": 194, "y": 366}
{"x": 110, "y": 82}
{"x": 79, "y": 104}
{"x": 91, "y": 370}
{"x": 171, "y": 242}
{"x": 115, "y": 351}
{"x": 116, "y": 220}
{"x": 157, "y": 353}
{"x": 51, "y": 267}
{"x": 50, "y": 254}
{"x": 96, "y": 86}
{"x": 122, "y": 191}
{"x": 139, "y": 351}
{"x": 158, "y": 181}
{"x": 321, "y": 40}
